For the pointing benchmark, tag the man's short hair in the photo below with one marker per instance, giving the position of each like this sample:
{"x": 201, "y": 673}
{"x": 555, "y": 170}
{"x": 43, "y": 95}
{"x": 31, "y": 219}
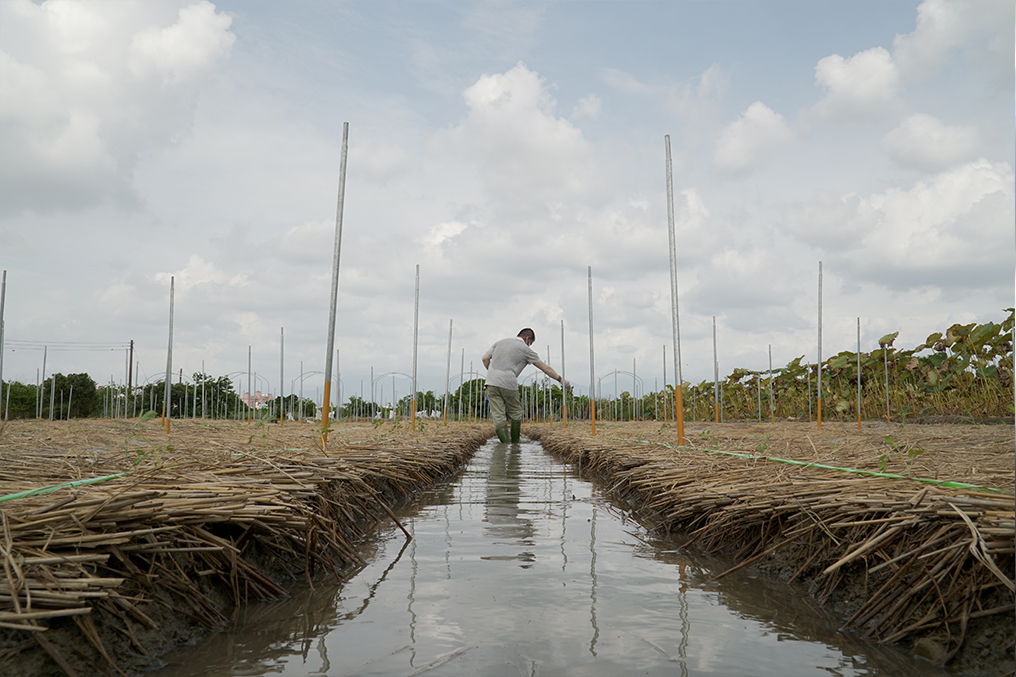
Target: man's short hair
{"x": 527, "y": 333}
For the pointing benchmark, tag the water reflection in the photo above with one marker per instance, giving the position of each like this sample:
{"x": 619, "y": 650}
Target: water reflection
{"x": 520, "y": 568}
{"x": 507, "y": 523}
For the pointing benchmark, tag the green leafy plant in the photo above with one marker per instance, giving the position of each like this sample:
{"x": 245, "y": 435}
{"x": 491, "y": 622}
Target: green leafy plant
{"x": 152, "y": 451}
{"x": 261, "y": 429}
{"x": 907, "y": 453}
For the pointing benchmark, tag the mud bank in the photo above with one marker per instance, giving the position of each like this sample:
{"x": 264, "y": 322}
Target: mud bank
{"x": 121, "y": 542}
{"x": 926, "y": 566}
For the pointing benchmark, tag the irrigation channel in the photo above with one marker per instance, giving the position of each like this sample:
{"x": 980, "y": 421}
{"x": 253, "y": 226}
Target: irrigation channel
{"x": 520, "y": 567}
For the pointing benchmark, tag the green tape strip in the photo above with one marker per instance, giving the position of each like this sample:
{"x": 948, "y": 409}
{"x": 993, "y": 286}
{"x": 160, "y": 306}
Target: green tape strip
{"x": 67, "y": 485}
{"x": 948, "y": 484}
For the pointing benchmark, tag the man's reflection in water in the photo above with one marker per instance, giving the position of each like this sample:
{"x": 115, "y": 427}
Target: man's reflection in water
{"x": 505, "y": 520}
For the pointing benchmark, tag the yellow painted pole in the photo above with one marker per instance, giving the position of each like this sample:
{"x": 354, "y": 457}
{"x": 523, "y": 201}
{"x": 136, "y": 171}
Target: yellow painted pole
{"x": 324, "y": 414}
{"x": 679, "y": 413}
{"x": 592, "y": 413}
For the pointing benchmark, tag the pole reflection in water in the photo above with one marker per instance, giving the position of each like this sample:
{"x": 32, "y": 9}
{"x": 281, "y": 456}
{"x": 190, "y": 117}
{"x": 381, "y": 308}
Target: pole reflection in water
{"x": 521, "y": 568}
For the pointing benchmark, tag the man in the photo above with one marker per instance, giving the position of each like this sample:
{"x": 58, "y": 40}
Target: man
{"x": 504, "y": 361}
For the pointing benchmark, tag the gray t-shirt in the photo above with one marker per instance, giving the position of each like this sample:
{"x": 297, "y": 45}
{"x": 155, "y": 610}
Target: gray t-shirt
{"x": 508, "y": 357}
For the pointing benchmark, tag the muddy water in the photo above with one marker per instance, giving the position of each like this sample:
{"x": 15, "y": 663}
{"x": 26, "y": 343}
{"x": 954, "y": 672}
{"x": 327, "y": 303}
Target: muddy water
{"x": 521, "y": 568}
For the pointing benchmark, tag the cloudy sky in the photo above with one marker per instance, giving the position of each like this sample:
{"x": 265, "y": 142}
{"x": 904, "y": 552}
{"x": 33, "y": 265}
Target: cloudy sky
{"x": 504, "y": 147}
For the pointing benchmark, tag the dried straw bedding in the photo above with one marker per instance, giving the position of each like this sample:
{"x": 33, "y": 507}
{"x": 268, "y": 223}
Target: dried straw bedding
{"x": 908, "y": 562}
{"x": 101, "y": 577}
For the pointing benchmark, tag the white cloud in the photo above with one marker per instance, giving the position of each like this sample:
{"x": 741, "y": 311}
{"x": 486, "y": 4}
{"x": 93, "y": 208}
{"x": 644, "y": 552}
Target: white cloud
{"x": 697, "y": 101}
{"x": 528, "y": 156}
{"x": 745, "y": 143}
{"x": 380, "y": 162}
{"x": 89, "y": 87}
{"x": 589, "y": 107}
{"x": 742, "y": 278}
{"x": 952, "y": 230}
{"x": 924, "y": 142}
{"x": 625, "y": 82}
{"x": 192, "y": 46}
{"x": 981, "y": 27}
{"x": 862, "y": 86}
{"x": 831, "y": 221}
{"x": 436, "y": 236}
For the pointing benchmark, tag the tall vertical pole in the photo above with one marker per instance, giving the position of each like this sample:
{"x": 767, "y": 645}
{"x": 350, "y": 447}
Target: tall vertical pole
{"x": 664, "y": 381}
{"x": 3, "y": 295}
{"x": 250, "y": 393}
{"x": 462, "y": 382}
{"x": 416, "y": 333}
{"x": 716, "y": 376}
{"x": 282, "y": 373}
{"x": 818, "y": 401}
{"x": 592, "y": 370}
{"x": 564, "y": 393}
{"x": 448, "y": 373}
{"x": 166, "y": 410}
{"x": 772, "y": 412}
{"x": 675, "y": 321}
{"x": 42, "y": 385}
{"x": 335, "y": 282}
{"x": 858, "y": 373}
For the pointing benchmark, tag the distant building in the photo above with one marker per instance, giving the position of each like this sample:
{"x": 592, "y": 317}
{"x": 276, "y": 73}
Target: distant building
{"x": 260, "y": 400}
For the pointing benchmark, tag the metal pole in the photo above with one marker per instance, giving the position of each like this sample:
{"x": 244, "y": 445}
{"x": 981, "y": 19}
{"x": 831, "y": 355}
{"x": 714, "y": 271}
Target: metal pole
{"x": 592, "y": 370}
{"x": 416, "y": 332}
{"x": 282, "y": 374}
{"x": 818, "y": 401}
{"x": 678, "y": 389}
{"x": 250, "y": 393}
{"x": 564, "y": 394}
{"x": 716, "y": 377}
{"x": 462, "y": 375}
{"x": 3, "y": 295}
{"x": 166, "y": 411}
{"x": 335, "y": 280}
{"x": 45, "y": 350}
{"x": 772, "y": 413}
{"x": 858, "y": 373}
{"x": 448, "y": 373}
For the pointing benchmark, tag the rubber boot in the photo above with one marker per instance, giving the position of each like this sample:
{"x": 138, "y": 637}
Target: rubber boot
{"x": 502, "y": 433}
{"x": 516, "y": 431}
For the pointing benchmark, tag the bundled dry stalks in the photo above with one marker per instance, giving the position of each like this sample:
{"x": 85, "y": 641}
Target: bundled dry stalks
{"x": 191, "y": 532}
{"x": 907, "y": 559}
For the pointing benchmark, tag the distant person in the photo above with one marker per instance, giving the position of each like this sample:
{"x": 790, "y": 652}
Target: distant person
{"x": 504, "y": 361}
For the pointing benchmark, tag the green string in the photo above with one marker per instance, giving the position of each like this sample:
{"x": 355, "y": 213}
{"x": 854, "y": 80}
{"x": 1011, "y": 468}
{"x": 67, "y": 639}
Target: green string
{"x": 67, "y": 485}
{"x": 948, "y": 484}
